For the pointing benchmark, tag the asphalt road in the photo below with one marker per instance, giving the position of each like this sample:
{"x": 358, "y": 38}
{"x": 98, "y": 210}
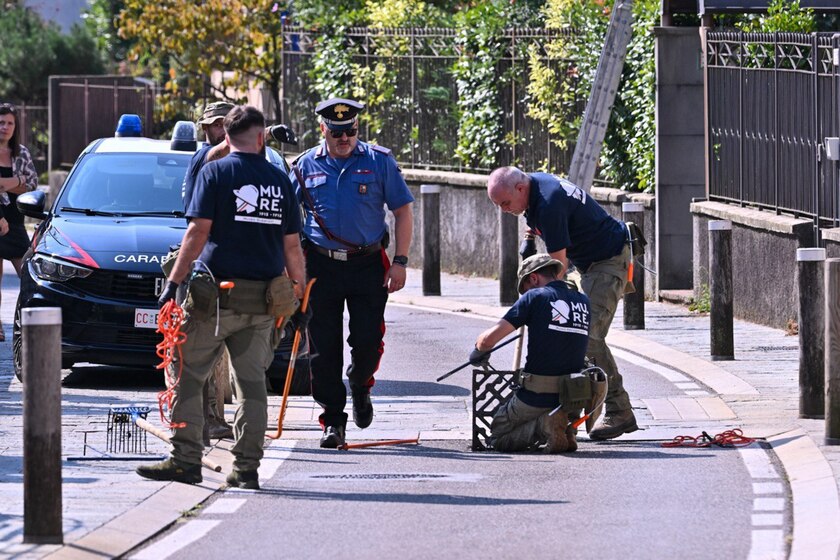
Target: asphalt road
{"x": 439, "y": 499}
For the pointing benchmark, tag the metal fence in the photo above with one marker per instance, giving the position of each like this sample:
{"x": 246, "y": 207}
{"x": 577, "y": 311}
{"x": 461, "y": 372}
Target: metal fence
{"x": 85, "y": 108}
{"x": 772, "y": 99}
{"x": 420, "y": 120}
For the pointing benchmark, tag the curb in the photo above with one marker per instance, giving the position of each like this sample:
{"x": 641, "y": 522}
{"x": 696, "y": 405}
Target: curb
{"x": 814, "y": 492}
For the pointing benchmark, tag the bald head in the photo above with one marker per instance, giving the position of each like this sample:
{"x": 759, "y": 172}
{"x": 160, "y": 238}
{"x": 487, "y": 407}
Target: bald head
{"x": 509, "y": 189}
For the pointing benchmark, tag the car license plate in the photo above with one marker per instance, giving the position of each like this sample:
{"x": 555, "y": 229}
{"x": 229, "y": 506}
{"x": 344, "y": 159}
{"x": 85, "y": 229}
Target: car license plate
{"x": 146, "y": 318}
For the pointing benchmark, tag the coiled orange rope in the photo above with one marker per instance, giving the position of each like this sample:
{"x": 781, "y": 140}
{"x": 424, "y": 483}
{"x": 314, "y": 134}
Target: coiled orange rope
{"x": 170, "y": 319}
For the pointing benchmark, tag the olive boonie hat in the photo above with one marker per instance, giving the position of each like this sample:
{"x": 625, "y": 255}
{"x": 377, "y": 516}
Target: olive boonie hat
{"x": 533, "y": 264}
{"x": 214, "y": 111}
{"x": 339, "y": 114}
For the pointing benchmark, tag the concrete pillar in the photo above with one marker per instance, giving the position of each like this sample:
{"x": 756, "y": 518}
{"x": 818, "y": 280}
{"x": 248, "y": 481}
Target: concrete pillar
{"x": 721, "y": 317}
{"x": 680, "y": 149}
{"x": 41, "y": 332}
{"x": 430, "y": 195}
{"x": 811, "y": 332}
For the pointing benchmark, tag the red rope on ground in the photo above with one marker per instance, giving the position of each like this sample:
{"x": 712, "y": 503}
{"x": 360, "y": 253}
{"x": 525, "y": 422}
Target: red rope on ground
{"x": 169, "y": 325}
{"x": 729, "y": 438}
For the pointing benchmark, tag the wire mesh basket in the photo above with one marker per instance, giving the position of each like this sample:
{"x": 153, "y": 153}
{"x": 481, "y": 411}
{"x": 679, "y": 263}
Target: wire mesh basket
{"x": 123, "y": 434}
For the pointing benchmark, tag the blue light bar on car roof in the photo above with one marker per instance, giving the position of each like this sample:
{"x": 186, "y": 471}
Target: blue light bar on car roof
{"x": 129, "y": 125}
{"x": 183, "y": 136}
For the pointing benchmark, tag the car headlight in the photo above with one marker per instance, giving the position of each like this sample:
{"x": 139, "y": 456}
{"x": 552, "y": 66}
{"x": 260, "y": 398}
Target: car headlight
{"x": 55, "y": 270}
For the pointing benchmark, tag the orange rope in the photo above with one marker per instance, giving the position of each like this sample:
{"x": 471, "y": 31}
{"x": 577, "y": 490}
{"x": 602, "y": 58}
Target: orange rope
{"x": 170, "y": 318}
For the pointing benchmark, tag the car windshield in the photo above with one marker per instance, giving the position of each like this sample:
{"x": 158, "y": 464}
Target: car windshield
{"x": 118, "y": 184}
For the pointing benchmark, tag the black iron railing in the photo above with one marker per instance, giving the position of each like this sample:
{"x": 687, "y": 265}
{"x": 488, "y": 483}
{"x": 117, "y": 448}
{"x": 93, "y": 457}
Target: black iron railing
{"x": 772, "y": 99}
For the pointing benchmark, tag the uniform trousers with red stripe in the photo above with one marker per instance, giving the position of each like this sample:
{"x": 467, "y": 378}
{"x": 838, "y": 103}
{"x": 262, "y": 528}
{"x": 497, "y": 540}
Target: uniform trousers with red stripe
{"x": 358, "y": 283}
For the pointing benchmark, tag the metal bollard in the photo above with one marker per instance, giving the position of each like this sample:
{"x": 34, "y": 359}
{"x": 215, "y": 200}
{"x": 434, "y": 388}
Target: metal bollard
{"x": 508, "y": 257}
{"x": 811, "y": 332}
{"x": 720, "y": 290}
{"x": 41, "y": 332}
{"x": 634, "y": 304}
{"x": 430, "y": 213}
{"x": 832, "y": 352}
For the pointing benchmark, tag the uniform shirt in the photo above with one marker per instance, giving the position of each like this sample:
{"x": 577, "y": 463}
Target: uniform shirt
{"x": 557, "y": 318}
{"x": 350, "y": 194}
{"x": 253, "y": 207}
{"x": 196, "y": 163}
{"x": 567, "y": 218}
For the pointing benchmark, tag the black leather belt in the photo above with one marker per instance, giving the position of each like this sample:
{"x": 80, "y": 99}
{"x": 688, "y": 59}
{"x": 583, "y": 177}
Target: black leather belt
{"x": 343, "y": 254}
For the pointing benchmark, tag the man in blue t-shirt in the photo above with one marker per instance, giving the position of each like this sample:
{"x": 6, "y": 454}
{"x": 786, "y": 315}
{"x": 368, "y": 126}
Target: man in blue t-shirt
{"x": 576, "y": 228}
{"x": 245, "y": 229}
{"x": 557, "y": 318}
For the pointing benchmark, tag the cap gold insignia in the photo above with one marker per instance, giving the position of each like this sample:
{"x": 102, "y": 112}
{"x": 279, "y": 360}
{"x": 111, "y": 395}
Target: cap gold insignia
{"x": 340, "y": 110}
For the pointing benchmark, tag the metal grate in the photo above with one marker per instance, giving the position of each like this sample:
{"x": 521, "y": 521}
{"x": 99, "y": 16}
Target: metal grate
{"x": 490, "y": 390}
{"x": 123, "y": 435}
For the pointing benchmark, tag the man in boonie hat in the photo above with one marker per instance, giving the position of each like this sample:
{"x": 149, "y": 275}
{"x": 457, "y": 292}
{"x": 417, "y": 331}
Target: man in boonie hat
{"x": 557, "y": 317}
{"x": 212, "y": 122}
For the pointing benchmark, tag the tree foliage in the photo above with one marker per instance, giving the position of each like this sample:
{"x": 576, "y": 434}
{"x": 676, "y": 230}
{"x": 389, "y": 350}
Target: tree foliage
{"x": 627, "y": 157}
{"x": 33, "y": 49}
{"x": 781, "y": 16}
{"x": 184, "y": 43}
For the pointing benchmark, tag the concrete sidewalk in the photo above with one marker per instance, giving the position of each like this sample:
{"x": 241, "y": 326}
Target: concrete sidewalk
{"x": 757, "y": 392}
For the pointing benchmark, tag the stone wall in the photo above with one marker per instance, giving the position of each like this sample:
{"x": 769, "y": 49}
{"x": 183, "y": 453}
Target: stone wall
{"x": 469, "y": 223}
{"x": 763, "y": 260}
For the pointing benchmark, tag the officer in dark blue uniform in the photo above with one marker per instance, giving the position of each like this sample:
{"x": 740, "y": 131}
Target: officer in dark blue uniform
{"x": 344, "y": 186}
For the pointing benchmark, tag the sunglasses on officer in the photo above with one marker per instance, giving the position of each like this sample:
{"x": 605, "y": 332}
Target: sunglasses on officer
{"x": 339, "y": 133}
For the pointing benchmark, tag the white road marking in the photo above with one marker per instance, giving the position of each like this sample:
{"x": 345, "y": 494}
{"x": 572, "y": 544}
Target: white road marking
{"x": 172, "y": 543}
{"x": 274, "y": 457}
{"x": 757, "y": 462}
{"x": 760, "y": 488}
{"x": 224, "y": 506}
{"x": 765, "y": 544}
{"x": 769, "y": 504}
{"x": 669, "y": 374}
{"x": 687, "y": 385}
{"x": 764, "y": 519}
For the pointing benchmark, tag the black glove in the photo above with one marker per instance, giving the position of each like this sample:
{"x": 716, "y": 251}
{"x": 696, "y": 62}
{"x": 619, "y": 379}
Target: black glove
{"x": 528, "y": 247}
{"x": 301, "y": 318}
{"x": 283, "y": 134}
{"x": 168, "y": 293}
{"x": 479, "y": 357}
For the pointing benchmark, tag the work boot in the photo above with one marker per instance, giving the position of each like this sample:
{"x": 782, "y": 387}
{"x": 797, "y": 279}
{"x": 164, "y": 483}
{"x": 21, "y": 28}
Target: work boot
{"x": 571, "y": 435}
{"x": 171, "y": 469}
{"x": 219, "y": 429}
{"x": 554, "y": 432}
{"x": 249, "y": 480}
{"x": 362, "y": 408}
{"x": 333, "y": 437}
{"x": 613, "y": 424}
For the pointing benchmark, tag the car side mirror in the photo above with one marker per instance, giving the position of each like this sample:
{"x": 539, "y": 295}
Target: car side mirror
{"x": 31, "y": 204}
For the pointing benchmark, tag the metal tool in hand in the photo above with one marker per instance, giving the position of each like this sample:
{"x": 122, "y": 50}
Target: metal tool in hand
{"x": 462, "y": 366}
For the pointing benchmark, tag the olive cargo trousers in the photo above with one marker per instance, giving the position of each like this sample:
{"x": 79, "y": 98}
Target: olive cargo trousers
{"x": 248, "y": 340}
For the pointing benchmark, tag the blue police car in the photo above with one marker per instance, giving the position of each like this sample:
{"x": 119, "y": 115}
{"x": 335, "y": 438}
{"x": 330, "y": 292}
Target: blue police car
{"x": 97, "y": 253}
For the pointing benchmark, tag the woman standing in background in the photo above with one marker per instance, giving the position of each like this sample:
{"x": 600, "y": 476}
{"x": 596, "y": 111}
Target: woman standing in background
{"x": 17, "y": 175}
